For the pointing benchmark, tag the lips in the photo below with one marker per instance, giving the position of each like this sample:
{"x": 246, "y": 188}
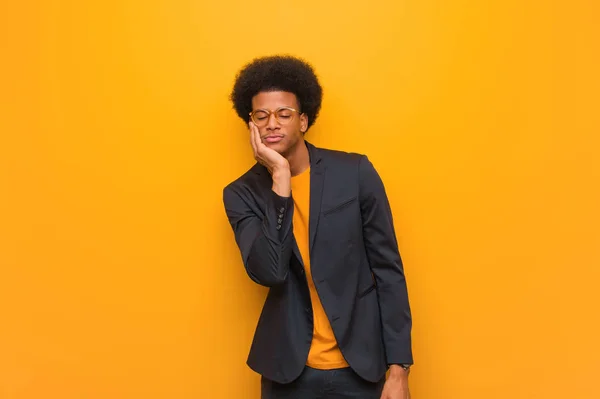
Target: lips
{"x": 273, "y": 138}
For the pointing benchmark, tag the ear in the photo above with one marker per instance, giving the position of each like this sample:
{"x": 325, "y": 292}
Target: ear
{"x": 303, "y": 123}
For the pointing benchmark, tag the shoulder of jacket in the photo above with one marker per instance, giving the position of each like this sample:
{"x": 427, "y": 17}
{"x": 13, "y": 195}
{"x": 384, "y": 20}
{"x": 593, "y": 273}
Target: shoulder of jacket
{"x": 247, "y": 177}
{"x": 342, "y": 158}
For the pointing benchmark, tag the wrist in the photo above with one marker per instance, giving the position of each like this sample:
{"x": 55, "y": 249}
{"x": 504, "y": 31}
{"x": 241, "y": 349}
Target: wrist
{"x": 399, "y": 371}
{"x": 282, "y": 184}
{"x": 282, "y": 169}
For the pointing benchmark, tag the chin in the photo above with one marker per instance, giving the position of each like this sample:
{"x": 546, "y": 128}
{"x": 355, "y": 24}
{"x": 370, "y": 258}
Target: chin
{"x": 279, "y": 147}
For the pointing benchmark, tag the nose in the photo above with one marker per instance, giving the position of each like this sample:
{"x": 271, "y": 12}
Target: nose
{"x": 272, "y": 123}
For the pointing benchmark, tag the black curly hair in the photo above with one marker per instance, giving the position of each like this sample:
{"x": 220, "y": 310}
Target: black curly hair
{"x": 274, "y": 73}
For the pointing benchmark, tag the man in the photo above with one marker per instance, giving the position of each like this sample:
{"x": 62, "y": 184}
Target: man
{"x": 315, "y": 226}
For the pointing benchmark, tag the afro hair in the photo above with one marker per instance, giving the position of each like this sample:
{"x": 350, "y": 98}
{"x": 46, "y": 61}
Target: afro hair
{"x": 278, "y": 73}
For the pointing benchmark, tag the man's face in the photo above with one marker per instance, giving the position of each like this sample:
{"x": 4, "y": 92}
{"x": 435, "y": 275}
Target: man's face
{"x": 280, "y": 128}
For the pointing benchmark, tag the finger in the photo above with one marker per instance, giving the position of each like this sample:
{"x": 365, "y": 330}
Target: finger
{"x": 253, "y": 138}
{"x": 257, "y": 140}
{"x": 257, "y": 136}
{"x": 253, "y": 134}
{"x": 257, "y": 144}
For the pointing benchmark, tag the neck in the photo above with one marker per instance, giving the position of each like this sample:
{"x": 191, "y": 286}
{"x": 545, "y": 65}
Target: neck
{"x": 298, "y": 158}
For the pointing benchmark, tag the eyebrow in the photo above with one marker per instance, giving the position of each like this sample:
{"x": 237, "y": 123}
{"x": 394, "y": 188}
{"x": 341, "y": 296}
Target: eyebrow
{"x": 283, "y": 106}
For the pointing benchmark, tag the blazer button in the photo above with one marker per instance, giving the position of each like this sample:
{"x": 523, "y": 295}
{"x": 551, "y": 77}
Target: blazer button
{"x": 281, "y": 210}
{"x": 278, "y": 227}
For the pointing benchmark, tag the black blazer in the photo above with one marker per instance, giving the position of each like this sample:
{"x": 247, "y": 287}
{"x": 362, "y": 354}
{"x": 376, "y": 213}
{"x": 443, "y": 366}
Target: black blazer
{"x": 355, "y": 263}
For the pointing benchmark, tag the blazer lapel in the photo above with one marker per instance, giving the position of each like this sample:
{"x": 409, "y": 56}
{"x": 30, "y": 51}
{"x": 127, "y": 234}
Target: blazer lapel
{"x": 317, "y": 178}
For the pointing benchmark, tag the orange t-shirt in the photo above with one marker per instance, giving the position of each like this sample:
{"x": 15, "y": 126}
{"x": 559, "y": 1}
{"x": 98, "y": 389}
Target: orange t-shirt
{"x": 324, "y": 351}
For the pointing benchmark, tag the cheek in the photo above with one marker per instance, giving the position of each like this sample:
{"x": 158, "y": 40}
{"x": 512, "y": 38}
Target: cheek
{"x": 296, "y": 130}
{"x": 264, "y": 131}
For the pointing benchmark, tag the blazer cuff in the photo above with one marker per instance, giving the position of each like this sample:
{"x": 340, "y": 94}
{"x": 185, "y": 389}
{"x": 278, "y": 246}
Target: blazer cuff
{"x": 279, "y": 215}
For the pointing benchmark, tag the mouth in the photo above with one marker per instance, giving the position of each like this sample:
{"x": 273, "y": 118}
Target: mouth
{"x": 273, "y": 138}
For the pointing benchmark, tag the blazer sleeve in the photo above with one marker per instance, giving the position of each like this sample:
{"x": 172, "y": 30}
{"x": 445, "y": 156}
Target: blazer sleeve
{"x": 264, "y": 237}
{"x": 386, "y": 264}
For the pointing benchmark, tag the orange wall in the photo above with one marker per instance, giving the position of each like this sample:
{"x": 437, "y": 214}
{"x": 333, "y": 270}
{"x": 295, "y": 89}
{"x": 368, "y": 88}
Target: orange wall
{"x": 119, "y": 277}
